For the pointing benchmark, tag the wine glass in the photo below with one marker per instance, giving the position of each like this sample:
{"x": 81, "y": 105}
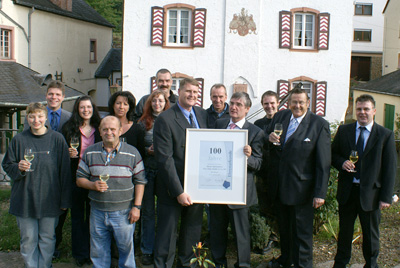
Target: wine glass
{"x": 29, "y": 155}
{"x": 74, "y": 142}
{"x": 278, "y": 129}
{"x": 353, "y": 158}
{"x": 104, "y": 177}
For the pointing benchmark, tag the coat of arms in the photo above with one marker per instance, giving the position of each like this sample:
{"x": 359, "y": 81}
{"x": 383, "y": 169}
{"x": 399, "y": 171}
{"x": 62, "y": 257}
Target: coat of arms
{"x": 242, "y": 23}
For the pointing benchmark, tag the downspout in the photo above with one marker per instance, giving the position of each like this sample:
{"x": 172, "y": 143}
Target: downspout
{"x": 30, "y": 36}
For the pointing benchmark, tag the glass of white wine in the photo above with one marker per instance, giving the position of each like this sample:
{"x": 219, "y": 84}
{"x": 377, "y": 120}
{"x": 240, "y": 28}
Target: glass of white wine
{"x": 74, "y": 142}
{"x": 29, "y": 155}
{"x": 278, "y": 129}
{"x": 353, "y": 158}
{"x": 104, "y": 177}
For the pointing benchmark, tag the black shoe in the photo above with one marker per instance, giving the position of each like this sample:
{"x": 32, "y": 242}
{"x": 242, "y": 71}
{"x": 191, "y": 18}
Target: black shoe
{"x": 147, "y": 259}
{"x": 80, "y": 262}
{"x": 56, "y": 254}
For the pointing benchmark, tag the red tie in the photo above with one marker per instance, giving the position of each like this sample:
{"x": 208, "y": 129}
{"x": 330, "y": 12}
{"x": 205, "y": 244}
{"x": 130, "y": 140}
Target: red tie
{"x": 232, "y": 126}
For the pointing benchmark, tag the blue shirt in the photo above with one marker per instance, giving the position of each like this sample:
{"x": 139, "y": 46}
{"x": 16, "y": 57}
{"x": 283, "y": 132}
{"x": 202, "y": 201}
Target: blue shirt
{"x": 186, "y": 113}
{"x": 50, "y": 115}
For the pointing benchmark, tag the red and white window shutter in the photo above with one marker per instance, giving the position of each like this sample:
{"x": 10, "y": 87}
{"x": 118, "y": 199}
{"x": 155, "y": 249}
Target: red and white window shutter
{"x": 157, "y": 26}
{"x": 199, "y": 27}
{"x": 153, "y": 84}
{"x": 320, "y": 102}
{"x": 283, "y": 90}
{"x": 323, "y": 31}
{"x": 199, "y": 101}
{"x": 285, "y": 26}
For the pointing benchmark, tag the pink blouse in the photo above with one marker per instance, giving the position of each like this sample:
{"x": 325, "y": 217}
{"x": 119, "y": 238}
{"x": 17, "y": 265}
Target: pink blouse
{"x": 86, "y": 141}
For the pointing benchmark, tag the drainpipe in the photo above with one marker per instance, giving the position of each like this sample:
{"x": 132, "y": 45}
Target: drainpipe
{"x": 30, "y": 36}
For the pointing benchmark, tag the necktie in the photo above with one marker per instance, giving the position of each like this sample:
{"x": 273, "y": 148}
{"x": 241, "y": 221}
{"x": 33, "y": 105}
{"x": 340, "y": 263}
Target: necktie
{"x": 191, "y": 121}
{"x": 360, "y": 150}
{"x": 232, "y": 126}
{"x": 292, "y": 128}
{"x": 53, "y": 123}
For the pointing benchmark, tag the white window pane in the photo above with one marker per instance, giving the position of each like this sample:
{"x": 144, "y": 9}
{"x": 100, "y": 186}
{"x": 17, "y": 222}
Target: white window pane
{"x": 173, "y": 14}
{"x": 185, "y": 14}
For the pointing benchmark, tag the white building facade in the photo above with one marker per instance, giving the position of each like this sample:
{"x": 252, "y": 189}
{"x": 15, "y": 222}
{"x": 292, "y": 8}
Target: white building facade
{"x": 391, "y": 60}
{"x": 253, "y": 45}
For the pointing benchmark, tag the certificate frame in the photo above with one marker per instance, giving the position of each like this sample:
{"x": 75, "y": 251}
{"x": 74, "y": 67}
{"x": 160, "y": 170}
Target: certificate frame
{"x": 213, "y": 180}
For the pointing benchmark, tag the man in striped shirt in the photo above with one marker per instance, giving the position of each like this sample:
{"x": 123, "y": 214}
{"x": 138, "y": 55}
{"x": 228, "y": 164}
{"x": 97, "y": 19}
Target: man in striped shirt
{"x": 114, "y": 174}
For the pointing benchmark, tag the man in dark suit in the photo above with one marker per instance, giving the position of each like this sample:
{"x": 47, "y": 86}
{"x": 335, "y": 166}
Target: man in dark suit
{"x": 300, "y": 177}
{"x": 237, "y": 215}
{"x": 172, "y": 203}
{"x": 367, "y": 190}
{"x": 56, "y": 119}
{"x": 219, "y": 108}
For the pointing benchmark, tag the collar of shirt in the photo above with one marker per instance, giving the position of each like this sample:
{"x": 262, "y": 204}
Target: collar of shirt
{"x": 298, "y": 119}
{"x": 221, "y": 113}
{"x": 239, "y": 124}
{"x": 186, "y": 113}
{"x": 368, "y": 127}
{"x": 49, "y": 112}
{"x": 110, "y": 155}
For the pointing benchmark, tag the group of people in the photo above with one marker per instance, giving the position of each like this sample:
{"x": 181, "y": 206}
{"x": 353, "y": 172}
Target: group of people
{"x": 110, "y": 179}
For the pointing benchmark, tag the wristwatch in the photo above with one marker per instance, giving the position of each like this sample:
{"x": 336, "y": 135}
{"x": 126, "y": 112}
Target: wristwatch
{"x": 138, "y": 207}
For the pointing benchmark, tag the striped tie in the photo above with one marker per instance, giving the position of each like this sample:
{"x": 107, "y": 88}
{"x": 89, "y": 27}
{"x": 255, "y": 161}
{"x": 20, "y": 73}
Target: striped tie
{"x": 292, "y": 128}
{"x": 232, "y": 126}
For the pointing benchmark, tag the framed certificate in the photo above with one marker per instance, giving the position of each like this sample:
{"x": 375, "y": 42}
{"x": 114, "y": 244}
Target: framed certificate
{"x": 215, "y": 166}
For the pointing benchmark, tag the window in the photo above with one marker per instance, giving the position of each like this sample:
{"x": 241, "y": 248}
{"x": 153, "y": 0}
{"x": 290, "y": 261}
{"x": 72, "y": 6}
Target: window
{"x": 304, "y": 31}
{"x": 93, "y": 51}
{"x": 362, "y": 35}
{"x": 5, "y": 44}
{"x": 178, "y": 25}
{"x": 363, "y": 9}
{"x": 175, "y": 84}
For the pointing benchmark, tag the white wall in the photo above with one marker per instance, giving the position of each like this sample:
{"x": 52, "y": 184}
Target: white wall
{"x": 374, "y": 23}
{"x": 227, "y": 57}
{"x": 392, "y": 38}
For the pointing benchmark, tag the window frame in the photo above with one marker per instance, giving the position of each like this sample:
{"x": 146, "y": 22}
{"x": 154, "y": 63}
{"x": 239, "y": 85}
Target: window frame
{"x": 179, "y": 26}
{"x": 94, "y": 58}
{"x": 303, "y": 30}
{"x": 362, "y": 31}
{"x": 10, "y": 51}
{"x": 363, "y": 5}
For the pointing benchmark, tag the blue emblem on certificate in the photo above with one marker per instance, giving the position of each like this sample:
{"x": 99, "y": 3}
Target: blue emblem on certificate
{"x": 216, "y": 165}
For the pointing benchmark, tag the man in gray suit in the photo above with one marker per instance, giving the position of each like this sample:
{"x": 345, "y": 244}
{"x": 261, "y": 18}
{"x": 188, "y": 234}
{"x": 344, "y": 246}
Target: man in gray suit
{"x": 172, "y": 203}
{"x": 237, "y": 215}
{"x": 56, "y": 119}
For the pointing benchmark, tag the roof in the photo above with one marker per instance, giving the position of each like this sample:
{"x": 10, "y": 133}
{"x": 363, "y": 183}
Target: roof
{"x": 387, "y": 84}
{"x": 80, "y": 10}
{"x": 112, "y": 62}
{"x": 20, "y": 86}
{"x": 384, "y": 9}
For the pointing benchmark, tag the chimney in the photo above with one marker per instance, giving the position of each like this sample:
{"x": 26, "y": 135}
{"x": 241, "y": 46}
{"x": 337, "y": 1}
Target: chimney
{"x": 63, "y": 4}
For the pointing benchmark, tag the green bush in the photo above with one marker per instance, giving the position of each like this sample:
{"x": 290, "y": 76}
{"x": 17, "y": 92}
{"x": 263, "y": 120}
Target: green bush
{"x": 259, "y": 231}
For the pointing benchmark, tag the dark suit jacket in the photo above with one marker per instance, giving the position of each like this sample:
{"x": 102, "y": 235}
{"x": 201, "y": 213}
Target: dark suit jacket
{"x": 378, "y": 165}
{"x": 255, "y": 138}
{"x": 65, "y": 115}
{"x": 301, "y": 166}
{"x": 169, "y": 149}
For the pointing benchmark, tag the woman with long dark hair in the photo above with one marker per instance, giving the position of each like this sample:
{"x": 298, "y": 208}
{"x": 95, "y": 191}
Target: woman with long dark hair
{"x": 83, "y": 126}
{"x": 122, "y": 105}
{"x": 155, "y": 105}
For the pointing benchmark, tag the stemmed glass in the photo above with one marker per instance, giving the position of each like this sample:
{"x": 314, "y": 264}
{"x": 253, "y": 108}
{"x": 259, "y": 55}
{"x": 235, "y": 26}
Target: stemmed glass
{"x": 104, "y": 177}
{"x": 74, "y": 142}
{"x": 29, "y": 155}
{"x": 353, "y": 158}
{"x": 278, "y": 129}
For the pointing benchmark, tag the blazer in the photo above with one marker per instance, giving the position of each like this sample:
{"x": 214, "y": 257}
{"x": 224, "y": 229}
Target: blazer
{"x": 255, "y": 139}
{"x": 65, "y": 115}
{"x": 378, "y": 165}
{"x": 169, "y": 149}
{"x": 301, "y": 166}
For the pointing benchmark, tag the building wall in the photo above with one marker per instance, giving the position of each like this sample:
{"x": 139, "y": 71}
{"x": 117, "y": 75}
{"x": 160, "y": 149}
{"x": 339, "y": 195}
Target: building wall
{"x": 374, "y": 22}
{"x": 58, "y": 44}
{"x": 391, "y": 60}
{"x": 230, "y": 58}
{"x": 380, "y": 101}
